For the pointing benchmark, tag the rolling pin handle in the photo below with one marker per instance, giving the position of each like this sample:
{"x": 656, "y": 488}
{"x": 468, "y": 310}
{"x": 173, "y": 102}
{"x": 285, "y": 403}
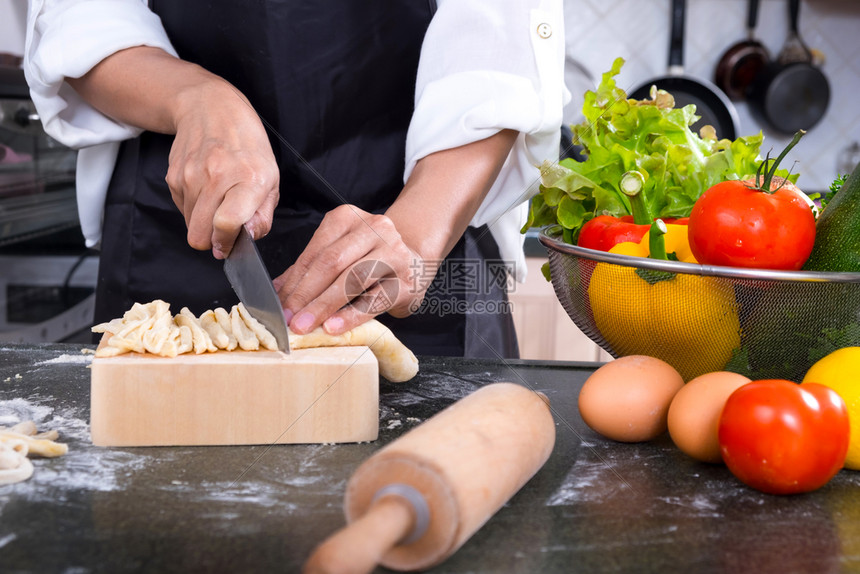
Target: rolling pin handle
{"x": 359, "y": 547}
{"x": 421, "y": 517}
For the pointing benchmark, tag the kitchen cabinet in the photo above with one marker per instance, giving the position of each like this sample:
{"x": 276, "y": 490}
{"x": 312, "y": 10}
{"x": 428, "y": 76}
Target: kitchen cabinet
{"x": 544, "y": 330}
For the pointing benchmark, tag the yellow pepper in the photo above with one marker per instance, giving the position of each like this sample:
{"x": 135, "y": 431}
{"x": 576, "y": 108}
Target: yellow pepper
{"x": 676, "y": 242}
{"x": 689, "y": 321}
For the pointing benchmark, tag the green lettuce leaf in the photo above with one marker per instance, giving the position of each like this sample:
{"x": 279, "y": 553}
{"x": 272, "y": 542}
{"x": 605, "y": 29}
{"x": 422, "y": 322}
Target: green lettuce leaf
{"x": 650, "y": 136}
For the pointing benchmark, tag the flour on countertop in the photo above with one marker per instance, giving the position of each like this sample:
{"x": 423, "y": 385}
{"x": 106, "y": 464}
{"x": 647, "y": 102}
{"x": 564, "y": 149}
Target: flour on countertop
{"x": 585, "y": 481}
{"x": 79, "y": 469}
{"x": 698, "y": 502}
{"x": 606, "y": 476}
{"x": 258, "y": 492}
{"x": 436, "y": 386}
{"x": 14, "y": 411}
{"x": 269, "y": 484}
{"x": 66, "y": 359}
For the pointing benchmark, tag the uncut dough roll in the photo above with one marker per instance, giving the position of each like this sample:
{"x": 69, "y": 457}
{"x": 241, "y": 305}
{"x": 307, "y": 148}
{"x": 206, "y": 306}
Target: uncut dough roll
{"x": 396, "y": 362}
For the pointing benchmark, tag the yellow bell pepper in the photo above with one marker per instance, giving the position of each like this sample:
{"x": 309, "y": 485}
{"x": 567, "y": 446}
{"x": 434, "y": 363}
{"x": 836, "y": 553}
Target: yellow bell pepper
{"x": 676, "y": 242}
{"x": 689, "y": 321}
{"x": 669, "y": 238}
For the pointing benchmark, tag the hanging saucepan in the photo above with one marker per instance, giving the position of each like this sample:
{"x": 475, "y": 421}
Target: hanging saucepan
{"x": 743, "y": 61}
{"x": 791, "y": 93}
{"x": 712, "y": 105}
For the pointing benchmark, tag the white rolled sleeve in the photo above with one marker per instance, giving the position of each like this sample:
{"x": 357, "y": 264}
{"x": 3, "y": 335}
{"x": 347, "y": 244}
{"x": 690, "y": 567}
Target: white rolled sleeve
{"x": 66, "y": 39}
{"x": 485, "y": 67}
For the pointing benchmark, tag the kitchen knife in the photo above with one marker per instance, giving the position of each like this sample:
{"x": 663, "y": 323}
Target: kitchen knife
{"x": 251, "y": 282}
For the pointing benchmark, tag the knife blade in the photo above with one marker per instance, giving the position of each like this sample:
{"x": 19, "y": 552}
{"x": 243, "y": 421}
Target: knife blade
{"x": 251, "y": 281}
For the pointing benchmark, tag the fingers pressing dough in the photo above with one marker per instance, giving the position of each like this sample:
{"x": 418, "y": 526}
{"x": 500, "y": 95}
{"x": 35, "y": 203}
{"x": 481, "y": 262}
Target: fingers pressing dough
{"x": 396, "y": 362}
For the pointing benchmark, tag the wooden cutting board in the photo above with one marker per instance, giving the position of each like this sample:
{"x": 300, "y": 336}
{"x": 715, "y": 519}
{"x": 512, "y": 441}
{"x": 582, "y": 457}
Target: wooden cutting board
{"x": 324, "y": 395}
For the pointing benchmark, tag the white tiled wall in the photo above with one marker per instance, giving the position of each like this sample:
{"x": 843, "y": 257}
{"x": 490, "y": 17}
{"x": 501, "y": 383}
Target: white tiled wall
{"x": 597, "y": 31}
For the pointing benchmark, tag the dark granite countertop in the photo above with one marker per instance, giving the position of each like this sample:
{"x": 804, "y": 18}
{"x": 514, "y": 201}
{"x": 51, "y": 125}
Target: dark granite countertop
{"x": 596, "y": 506}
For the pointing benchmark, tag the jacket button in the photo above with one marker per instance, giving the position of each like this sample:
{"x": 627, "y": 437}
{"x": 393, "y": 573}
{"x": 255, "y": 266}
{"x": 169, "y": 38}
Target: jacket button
{"x": 544, "y": 30}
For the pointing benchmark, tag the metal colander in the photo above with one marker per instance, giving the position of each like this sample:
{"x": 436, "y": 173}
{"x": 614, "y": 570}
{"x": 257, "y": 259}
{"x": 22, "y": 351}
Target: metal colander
{"x": 701, "y": 318}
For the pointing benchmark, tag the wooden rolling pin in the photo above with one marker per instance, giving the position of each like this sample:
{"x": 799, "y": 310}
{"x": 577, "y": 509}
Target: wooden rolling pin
{"x": 416, "y": 501}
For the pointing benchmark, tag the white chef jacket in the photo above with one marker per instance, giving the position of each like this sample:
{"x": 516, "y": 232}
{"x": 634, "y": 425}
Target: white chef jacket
{"x": 485, "y": 65}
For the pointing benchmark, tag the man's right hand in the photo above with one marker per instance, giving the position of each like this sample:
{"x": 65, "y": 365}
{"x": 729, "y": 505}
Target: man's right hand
{"x": 222, "y": 171}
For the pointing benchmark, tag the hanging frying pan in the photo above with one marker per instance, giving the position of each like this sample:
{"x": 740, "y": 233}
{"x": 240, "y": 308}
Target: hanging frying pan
{"x": 743, "y": 61}
{"x": 712, "y": 105}
{"x": 791, "y": 93}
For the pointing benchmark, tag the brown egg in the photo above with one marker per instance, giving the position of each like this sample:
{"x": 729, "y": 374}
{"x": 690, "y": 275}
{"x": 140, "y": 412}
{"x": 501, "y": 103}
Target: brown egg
{"x": 694, "y": 415}
{"x": 628, "y": 399}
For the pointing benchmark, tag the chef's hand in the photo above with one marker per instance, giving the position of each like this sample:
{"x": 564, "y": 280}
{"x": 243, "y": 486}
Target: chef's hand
{"x": 392, "y": 257}
{"x": 355, "y": 267}
{"x": 222, "y": 171}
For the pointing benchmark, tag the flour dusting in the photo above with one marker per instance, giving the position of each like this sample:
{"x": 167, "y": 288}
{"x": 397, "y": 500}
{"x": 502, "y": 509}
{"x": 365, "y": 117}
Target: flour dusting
{"x": 14, "y": 411}
{"x": 67, "y": 359}
{"x": 699, "y": 503}
{"x": 257, "y": 492}
{"x": 82, "y": 468}
{"x": 586, "y": 481}
{"x": 616, "y": 477}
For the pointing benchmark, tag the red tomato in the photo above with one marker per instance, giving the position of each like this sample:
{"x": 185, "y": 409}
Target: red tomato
{"x": 740, "y": 226}
{"x": 783, "y": 438}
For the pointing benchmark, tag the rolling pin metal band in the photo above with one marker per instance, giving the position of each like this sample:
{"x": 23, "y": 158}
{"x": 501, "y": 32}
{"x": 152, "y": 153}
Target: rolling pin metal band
{"x": 415, "y": 500}
{"x": 425, "y": 477}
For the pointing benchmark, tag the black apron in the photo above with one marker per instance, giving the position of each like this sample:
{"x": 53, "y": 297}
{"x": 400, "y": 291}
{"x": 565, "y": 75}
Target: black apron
{"x": 334, "y": 81}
